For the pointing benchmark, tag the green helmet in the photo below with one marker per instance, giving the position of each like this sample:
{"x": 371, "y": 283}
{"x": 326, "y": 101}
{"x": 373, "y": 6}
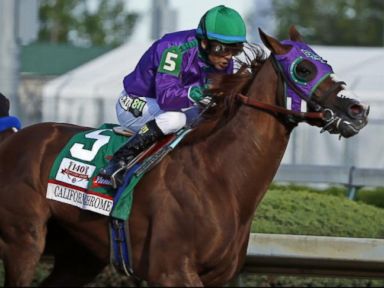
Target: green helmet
{"x": 222, "y": 24}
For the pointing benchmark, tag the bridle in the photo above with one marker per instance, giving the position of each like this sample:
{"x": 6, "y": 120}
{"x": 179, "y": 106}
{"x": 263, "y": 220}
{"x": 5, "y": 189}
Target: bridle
{"x": 278, "y": 110}
{"x": 323, "y": 114}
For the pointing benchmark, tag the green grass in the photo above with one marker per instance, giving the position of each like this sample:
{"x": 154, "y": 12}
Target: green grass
{"x": 371, "y": 196}
{"x": 310, "y": 212}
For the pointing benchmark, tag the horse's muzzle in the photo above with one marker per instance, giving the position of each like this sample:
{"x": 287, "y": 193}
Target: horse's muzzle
{"x": 358, "y": 119}
{"x": 346, "y": 124}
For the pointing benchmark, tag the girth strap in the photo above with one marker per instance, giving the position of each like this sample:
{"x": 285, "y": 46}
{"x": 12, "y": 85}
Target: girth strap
{"x": 121, "y": 249}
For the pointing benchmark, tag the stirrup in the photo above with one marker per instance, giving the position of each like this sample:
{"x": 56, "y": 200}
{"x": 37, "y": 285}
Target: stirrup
{"x": 117, "y": 178}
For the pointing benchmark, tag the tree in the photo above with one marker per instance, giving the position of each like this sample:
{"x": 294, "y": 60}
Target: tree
{"x": 329, "y": 22}
{"x": 75, "y": 22}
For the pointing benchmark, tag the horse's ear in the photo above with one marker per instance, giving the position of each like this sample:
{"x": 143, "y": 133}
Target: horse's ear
{"x": 273, "y": 44}
{"x": 294, "y": 35}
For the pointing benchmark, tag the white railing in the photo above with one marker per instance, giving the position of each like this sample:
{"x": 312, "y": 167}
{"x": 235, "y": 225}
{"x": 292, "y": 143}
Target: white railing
{"x": 352, "y": 177}
{"x": 315, "y": 255}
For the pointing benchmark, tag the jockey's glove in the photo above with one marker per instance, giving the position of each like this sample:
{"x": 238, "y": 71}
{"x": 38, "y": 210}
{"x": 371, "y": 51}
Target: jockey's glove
{"x": 196, "y": 94}
{"x": 206, "y": 100}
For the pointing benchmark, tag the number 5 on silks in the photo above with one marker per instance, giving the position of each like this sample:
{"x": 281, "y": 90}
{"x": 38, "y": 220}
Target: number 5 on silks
{"x": 171, "y": 61}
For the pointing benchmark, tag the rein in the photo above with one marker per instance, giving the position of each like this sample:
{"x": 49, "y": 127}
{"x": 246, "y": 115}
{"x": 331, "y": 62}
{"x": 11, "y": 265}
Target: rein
{"x": 300, "y": 116}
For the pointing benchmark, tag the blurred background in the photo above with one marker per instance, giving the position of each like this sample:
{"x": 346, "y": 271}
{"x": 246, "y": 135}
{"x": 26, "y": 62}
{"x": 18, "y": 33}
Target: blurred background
{"x": 64, "y": 60}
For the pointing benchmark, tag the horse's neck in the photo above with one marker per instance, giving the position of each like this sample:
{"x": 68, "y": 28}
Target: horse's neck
{"x": 247, "y": 152}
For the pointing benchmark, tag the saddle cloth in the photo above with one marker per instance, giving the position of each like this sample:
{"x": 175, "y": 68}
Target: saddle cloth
{"x": 74, "y": 177}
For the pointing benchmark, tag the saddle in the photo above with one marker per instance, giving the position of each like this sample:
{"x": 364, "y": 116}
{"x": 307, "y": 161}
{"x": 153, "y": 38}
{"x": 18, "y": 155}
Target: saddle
{"x": 123, "y": 131}
{"x": 155, "y": 153}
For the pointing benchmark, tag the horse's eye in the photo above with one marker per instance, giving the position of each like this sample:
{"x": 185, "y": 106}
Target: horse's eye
{"x": 304, "y": 71}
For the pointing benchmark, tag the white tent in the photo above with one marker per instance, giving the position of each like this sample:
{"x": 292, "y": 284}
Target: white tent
{"x": 87, "y": 95}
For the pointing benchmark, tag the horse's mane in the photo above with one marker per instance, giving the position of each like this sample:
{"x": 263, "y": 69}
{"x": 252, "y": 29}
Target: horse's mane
{"x": 224, "y": 89}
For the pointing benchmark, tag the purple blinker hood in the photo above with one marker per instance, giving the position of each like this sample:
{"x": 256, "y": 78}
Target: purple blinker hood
{"x": 288, "y": 62}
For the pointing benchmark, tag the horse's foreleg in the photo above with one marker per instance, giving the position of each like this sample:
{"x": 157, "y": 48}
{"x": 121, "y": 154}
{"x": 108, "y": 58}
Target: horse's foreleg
{"x": 23, "y": 231}
{"x": 167, "y": 258}
{"x": 21, "y": 253}
{"x": 74, "y": 266}
{"x": 175, "y": 270}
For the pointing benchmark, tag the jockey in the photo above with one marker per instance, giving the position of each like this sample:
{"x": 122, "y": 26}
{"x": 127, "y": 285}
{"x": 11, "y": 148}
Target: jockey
{"x": 7, "y": 121}
{"x": 165, "y": 91}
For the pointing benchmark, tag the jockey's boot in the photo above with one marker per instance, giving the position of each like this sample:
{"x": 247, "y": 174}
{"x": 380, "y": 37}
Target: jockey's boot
{"x": 116, "y": 167}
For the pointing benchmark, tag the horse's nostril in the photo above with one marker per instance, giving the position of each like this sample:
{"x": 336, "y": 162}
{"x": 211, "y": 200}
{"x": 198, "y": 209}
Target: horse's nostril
{"x": 356, "y": 110}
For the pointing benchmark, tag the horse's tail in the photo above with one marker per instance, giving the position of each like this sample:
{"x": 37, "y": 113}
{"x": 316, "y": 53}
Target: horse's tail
{"x": 8, "y": 124}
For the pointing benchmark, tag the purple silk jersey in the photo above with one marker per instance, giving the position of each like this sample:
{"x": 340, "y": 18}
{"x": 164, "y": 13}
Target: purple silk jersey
{"x": 169, "y": 68}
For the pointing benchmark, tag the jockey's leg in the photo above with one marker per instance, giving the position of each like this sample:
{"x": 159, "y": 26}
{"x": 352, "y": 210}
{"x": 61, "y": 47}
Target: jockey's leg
{"x": 153, "y": 130}
{"x": 147, "y": 135}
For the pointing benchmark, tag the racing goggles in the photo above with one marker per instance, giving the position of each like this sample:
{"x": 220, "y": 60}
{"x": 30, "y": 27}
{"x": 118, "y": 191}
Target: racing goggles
{"x": 219, "y": 49}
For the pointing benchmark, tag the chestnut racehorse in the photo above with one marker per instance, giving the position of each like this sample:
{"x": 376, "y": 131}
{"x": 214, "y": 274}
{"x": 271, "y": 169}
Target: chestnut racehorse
{"x": 192, "y": 213}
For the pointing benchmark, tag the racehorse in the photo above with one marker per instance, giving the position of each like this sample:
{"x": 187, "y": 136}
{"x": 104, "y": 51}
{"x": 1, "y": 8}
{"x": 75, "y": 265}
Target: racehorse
{"x": 191, "y": 215}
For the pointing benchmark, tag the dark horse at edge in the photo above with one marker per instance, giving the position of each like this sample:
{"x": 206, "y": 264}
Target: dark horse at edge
{"x": 192, "y": 213}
